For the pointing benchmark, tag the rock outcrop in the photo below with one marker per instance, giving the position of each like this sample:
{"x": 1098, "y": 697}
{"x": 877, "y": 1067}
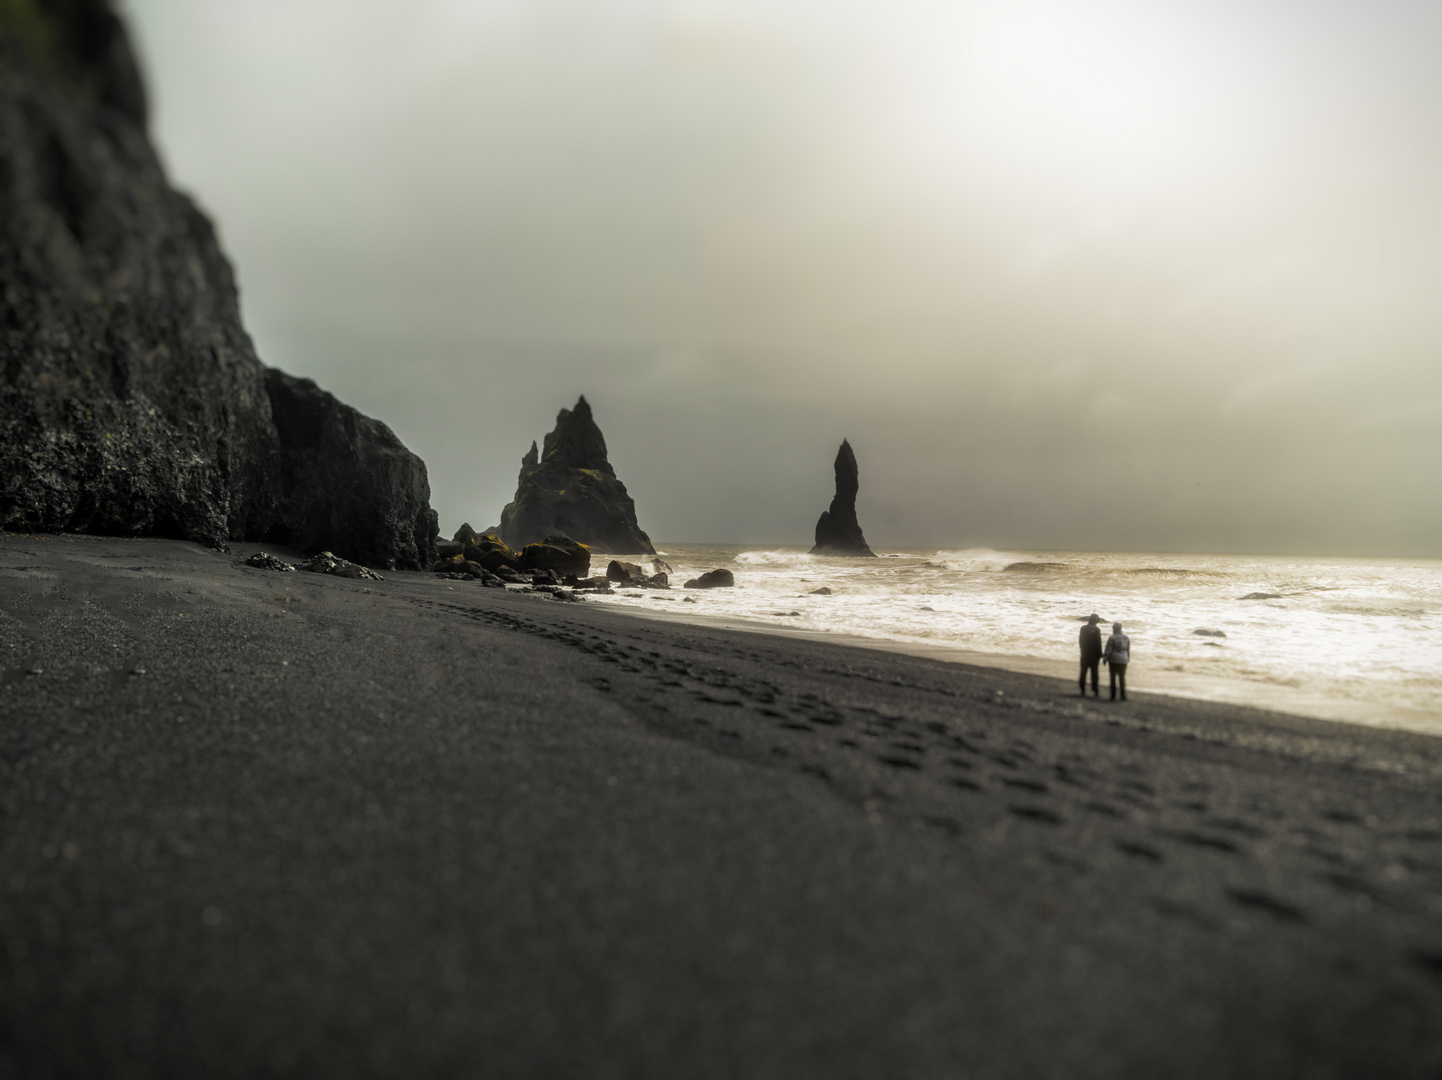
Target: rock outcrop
{"x": 713, "y": 579}
{"x": 131, "y": 398}
{"x": 627, "y": 573}
{"x": 569, "y": 488}
{"x": 346, "y": 476}
{"x": 838, "y": 532}
{"x": 558, "y": 553}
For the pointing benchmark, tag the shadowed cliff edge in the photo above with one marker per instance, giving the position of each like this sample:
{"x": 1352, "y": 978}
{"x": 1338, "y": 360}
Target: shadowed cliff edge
{"x": 131, "y": 397}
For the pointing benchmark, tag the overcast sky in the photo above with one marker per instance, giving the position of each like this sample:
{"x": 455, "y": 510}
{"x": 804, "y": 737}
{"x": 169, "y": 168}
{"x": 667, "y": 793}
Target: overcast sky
{"x": 1117, "y": 274}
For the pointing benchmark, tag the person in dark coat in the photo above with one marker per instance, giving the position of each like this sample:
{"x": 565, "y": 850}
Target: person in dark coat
{"x": 1091, "y": 655}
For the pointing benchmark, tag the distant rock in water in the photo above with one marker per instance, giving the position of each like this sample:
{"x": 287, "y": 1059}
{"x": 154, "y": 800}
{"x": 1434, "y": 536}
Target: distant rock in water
{"x": 838, "y": 532}
{"x": 570, "y": 489}
{"x": 1261, "y": 596}
{"x": 131, "y": 398}
{"x": 713, "y": 579}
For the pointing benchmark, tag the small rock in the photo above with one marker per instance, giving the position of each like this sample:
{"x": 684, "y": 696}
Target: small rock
{"x": 661, "y": 566}
{"x": 264, "y": 560}
{"x": 329, "y": 563}
{"x": 1209, "y": 633}
{"x": 1261, "y": 596}
{"x": 617, "y": 570}
{"x": 823, "y": 591}
{"x": 713, "y": 579}
{"x": 546, "y": 577}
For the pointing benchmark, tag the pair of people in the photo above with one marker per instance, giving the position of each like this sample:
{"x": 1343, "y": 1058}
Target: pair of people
{"x": 1117, "y": 653}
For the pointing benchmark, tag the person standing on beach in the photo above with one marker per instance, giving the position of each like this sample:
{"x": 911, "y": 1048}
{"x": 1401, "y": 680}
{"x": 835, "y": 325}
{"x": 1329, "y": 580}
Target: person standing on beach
{"x": 1118, "y": 655}
{"x": 1091, "y": 655}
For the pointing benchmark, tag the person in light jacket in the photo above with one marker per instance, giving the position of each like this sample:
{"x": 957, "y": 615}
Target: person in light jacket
{"x": 1118, "y": 655}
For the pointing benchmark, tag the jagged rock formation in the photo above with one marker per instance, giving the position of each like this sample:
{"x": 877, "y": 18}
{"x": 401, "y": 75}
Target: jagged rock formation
{"x": 131, "y": 398}
{"x": 344, "y": 475}
{"x": 838, "y": 532}
{"x": 570, "y": 489}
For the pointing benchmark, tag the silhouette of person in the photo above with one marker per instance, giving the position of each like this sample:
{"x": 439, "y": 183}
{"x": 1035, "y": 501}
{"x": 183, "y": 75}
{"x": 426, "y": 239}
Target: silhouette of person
{"x": 1118, "y": 655}
{"x": 1091, "y": 655}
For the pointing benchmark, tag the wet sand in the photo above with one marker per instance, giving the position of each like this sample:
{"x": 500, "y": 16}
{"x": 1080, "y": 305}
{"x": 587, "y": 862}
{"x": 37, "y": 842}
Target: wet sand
{"x": 286, "y": 824}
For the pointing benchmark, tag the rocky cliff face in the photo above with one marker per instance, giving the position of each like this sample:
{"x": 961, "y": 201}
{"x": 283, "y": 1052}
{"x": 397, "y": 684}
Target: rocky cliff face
{"x": 569, "y": 488}
{"x": 344, "y": 475}
{"x": 838, "y": 532}
{"x": 131, "y": 398}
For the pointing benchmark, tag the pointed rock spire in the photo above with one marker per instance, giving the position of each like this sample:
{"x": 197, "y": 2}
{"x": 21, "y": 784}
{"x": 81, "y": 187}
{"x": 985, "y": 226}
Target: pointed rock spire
{"x": 838, "y": 532}
{"x": 571, "y": 489}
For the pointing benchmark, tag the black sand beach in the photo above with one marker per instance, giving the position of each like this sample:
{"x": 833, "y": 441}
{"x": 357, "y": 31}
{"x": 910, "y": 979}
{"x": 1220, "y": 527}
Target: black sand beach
{"x": 286, "y": 824}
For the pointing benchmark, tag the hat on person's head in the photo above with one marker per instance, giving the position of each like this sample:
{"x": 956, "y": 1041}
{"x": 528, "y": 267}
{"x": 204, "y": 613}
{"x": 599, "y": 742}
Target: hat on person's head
{"x": 1095, "y": 618}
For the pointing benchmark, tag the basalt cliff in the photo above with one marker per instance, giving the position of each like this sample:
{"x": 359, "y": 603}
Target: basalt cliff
{"x": 131, "y": 398}
{"x": 569, "y": 488}
{"x": 838, "y": 532}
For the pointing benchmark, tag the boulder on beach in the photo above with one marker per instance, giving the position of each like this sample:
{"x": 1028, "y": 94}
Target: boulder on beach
{"x": 491, "y": 552}
{"x": 264, "y": 560}
{"x": 628, "y": 572}
{"x": 570, "y": 488}
{"x": 132, "y": 401}
{"x": 327, "y": 562}
{"x": 558, "y": 553}
{"x": 713, "y": 579}
{"x": 837, "y": 531}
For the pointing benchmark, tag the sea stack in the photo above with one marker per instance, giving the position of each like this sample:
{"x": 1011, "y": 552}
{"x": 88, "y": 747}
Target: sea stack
{"x": 132, "y": 401}
{"x": 568, "y": 488}
{"x": 838, "y": 532}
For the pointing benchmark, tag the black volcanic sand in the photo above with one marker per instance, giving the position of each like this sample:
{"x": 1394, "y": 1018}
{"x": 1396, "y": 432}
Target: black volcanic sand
{"x": 259, "y": 823}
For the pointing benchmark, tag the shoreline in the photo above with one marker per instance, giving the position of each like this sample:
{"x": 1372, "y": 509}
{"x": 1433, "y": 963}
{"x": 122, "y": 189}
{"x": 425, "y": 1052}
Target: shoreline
{"x": 1258, "y": 695}
{"x": 331, "y": 826}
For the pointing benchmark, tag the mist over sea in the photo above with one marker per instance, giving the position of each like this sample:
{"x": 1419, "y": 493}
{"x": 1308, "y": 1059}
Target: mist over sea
{"x": 1354, "y": 639}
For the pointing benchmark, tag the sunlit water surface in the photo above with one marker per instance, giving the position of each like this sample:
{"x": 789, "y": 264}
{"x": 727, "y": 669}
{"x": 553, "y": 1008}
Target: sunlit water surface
{"x": 1343, "y": 639}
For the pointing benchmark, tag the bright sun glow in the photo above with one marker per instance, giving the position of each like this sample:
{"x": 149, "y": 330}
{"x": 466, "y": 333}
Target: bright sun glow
{"x": 1101, "y": 97}
{"x": 1046, "y": 68}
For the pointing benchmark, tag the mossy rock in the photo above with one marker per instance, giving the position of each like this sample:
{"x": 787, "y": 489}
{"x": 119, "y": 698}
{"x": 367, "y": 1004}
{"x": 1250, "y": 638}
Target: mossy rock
{"x": 558, "y": 553}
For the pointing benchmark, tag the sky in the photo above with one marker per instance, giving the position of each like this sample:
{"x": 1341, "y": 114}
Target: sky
{"x": 1069, "y": 274}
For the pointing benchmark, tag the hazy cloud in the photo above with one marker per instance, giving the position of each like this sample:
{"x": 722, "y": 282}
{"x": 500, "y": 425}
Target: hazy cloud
{"x": 1079, "y": 274}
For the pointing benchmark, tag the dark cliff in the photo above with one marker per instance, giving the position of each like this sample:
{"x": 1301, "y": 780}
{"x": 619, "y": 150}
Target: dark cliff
{"x": 131, "y": 397}
{"x": 570, "y": 488}
{"x": 838, "y": 532}
{"x": 346, "y": 481}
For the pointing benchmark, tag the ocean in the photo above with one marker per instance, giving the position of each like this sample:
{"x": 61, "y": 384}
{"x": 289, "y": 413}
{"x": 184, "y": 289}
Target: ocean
{"x": 1352, "y": 639}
